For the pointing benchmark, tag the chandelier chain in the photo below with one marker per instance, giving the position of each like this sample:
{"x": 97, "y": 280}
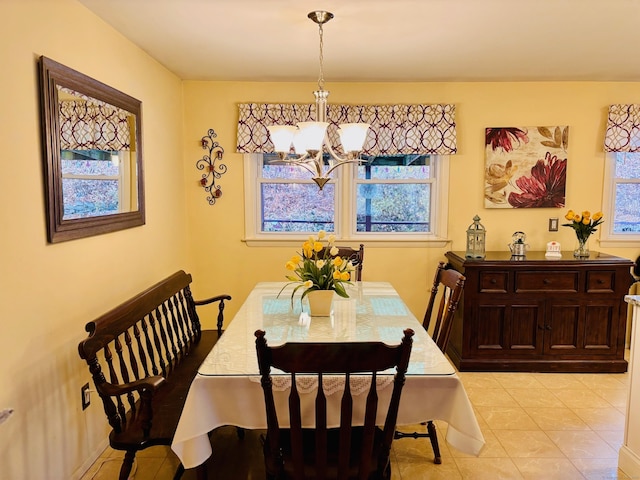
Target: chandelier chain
{"x": 321, "y": 76}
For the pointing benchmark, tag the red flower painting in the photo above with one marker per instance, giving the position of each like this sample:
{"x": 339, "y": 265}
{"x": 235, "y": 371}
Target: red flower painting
{"x": 545, "y": 188}
{"x": 526, "y": 167}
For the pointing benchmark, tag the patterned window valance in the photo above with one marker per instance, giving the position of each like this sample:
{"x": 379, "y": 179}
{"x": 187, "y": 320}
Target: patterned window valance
{"x": 623, "y": 129}
{"x": 395, "y": 129}
{"x": 89, "y": 124}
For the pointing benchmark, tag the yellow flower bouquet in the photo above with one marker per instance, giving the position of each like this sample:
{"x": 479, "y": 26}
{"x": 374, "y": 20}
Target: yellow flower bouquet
{"x": 584, "y": 224}
{"x": 317, "y": 267}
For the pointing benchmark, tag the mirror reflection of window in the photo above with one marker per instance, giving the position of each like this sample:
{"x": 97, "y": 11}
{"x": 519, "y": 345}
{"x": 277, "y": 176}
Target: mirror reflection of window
{"x": 95, "y": 183}
{"x": 97, "y": 164}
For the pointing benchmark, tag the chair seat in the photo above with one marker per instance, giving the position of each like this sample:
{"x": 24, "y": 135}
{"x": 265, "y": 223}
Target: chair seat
{"x": 333, "y": 435}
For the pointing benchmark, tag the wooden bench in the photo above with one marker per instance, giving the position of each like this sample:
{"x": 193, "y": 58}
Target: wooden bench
{"x": 143, "y": 356}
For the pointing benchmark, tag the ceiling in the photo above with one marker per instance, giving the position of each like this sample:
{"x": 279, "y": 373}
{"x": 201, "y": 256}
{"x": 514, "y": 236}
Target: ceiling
{"x": 385, "y": 40}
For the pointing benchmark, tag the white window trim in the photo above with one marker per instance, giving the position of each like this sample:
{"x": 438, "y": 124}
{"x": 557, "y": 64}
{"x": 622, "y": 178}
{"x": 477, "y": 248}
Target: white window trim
{"x": 607, "y": 237}
{"x": 439, "y": 204}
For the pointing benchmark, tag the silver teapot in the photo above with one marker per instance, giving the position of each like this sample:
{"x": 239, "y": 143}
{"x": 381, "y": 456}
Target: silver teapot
{"x": 518, "y": 247}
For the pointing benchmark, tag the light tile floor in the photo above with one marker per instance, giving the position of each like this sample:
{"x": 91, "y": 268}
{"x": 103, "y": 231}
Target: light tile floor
{"x": 536, "y": 425}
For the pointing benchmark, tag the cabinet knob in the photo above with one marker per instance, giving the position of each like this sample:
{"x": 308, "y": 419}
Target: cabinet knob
{"x": 546, "y": 281}
{"x": 548, "y": 327}
{"x": 493, "y": 281}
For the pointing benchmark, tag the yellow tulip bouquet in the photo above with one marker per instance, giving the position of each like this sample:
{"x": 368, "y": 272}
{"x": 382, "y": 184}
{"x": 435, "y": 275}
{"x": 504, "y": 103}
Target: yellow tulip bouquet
{"x": 584, "y": 224}
{"x": 317, "y": 267}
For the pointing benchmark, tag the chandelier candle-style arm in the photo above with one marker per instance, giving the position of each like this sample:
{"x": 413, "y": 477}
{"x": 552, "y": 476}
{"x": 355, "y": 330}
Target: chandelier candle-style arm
{"x": 309, "y": 139}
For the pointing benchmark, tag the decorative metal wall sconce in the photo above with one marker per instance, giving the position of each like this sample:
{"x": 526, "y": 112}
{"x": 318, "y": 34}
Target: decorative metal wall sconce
{"x": 212, "y": 167}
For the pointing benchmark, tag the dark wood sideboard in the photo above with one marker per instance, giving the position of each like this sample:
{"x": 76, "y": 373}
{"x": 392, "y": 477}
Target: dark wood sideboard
{"x": 535, "y": 314}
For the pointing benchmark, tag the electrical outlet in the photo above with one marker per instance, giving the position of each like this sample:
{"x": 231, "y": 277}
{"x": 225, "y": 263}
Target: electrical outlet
{"x": 86, "y": 398}
{"x": 553, "y": 224}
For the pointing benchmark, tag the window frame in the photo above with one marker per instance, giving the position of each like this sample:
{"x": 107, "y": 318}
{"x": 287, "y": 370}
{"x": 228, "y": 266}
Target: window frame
{"x": 344, "y": 220}
{"x": 608, "y": 238}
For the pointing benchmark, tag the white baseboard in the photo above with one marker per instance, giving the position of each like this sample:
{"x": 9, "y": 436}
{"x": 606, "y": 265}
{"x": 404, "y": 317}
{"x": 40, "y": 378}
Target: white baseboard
{"x": 77, "y": 475}
{"x": 629, "y": 462}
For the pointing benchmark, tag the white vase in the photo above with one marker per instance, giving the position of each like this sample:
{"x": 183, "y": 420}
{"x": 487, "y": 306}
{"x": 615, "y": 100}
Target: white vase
{"x": 320, "y": 303}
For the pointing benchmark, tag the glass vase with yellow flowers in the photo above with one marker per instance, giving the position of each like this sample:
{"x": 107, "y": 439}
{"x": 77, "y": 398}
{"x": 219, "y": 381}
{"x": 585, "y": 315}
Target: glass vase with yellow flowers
{"x": 584, "y": 225}
{"x": 317, "y": 267}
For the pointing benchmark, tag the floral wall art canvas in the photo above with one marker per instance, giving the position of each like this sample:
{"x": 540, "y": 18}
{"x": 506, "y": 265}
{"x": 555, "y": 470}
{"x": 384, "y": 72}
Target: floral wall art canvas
{"x": 525, "y": 167}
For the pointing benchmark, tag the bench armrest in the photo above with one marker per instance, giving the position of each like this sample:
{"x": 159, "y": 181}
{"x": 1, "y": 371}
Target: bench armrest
{"x": 150, "y": 384}
{"x": 217, "y": 298}
{"x": 116, "y": 411}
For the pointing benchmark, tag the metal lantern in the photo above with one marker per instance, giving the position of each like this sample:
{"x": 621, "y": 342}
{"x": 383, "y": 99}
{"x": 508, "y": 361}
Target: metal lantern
{"x": 476, "y": 239}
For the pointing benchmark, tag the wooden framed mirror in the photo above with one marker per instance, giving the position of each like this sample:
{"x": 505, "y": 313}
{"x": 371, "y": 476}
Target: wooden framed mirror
{"x": 92, "y": 146}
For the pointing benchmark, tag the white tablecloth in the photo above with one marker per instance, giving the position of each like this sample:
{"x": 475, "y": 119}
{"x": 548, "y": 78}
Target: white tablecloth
{"x": 226, "y": 390}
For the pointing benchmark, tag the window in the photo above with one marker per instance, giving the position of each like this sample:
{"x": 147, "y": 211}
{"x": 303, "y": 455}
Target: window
{"x": 92, "y": 183}
{"x": 393, "y": 194}
{"x": 386, "y": 198}
{"x": 621, "y": 202}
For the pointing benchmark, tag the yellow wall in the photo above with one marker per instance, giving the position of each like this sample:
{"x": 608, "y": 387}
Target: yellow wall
{"x": 48, "y": 292}
{"x": 216, "y": 231}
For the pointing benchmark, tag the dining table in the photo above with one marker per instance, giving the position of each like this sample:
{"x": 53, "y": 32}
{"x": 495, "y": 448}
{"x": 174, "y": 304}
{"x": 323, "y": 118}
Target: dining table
{"x": 227, "y": 390}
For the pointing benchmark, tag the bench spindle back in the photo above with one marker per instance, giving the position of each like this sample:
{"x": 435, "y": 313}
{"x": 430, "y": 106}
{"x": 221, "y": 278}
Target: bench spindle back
{"x": 142, "y": 338}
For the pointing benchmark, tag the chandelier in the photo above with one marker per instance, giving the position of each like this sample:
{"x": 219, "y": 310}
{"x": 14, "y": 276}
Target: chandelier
{"x": 308, "y": 139}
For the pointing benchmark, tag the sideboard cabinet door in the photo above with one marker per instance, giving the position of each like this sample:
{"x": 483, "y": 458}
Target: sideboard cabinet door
{"x": 506, "y": 329}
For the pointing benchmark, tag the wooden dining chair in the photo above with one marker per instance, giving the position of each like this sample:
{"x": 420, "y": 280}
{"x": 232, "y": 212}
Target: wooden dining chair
{"x": 445, "y": 296}
{"x": 346, "y": 452}
{"x": 355, "y": 255}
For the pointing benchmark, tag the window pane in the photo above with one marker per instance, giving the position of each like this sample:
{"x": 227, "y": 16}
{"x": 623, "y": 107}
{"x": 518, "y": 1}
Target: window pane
{"x": 627, "y": 165}
{"x": 283, "y": 171}
{"x": 393, "y": 207}
{"x": 88, "y": 162}
{"x": 396, "y": 167}
{"x": 89, "y": 198}
{"x": 627, "y": 208}
{"x": 297, "y": 207}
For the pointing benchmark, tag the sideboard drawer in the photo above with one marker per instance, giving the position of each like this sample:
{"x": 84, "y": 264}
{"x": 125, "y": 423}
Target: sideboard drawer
{"x": 493, "y": 282}
{"x": 600, "y": 281}
{"x": 546, "y": 281}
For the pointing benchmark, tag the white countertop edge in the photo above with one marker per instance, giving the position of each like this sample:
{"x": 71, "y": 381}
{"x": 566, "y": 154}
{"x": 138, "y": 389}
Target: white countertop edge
{"x": 632, "y": 299}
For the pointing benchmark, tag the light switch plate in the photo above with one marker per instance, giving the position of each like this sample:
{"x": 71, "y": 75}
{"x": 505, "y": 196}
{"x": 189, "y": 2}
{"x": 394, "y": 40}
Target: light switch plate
{"x": 553, "y": 224}
{"x": 86, "y": 396}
